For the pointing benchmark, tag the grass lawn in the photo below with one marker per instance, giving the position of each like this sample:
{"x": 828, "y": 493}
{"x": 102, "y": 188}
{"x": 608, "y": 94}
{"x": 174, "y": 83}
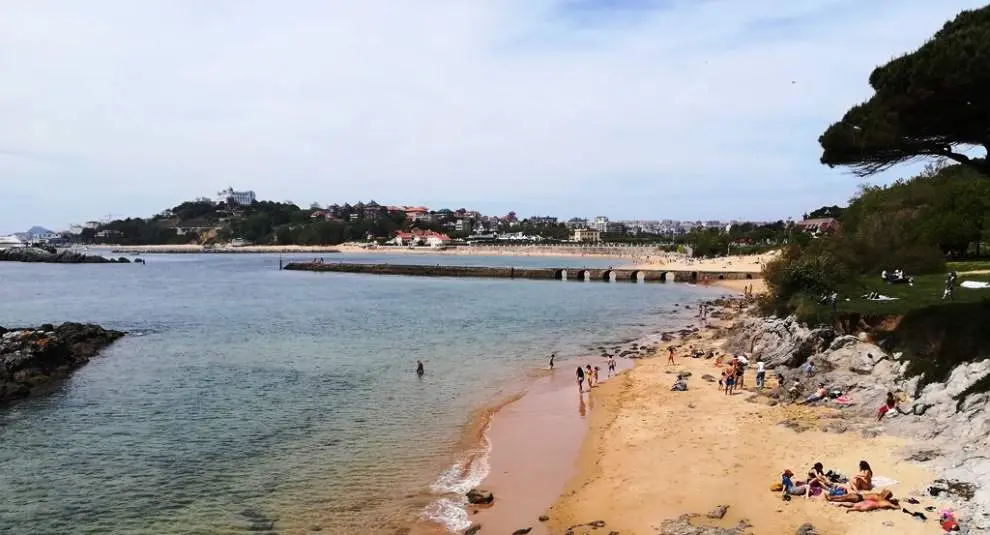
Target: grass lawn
{"x": 969, "y": 265}
{"x": 927, "y": 291}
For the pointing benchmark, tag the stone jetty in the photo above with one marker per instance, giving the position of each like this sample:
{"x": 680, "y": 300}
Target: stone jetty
{"x": 46, "y": 256}
{"x": 539, "y": 273}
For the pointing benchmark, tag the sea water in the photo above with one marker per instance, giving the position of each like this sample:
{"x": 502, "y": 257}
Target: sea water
{"x": 248, "y": 399}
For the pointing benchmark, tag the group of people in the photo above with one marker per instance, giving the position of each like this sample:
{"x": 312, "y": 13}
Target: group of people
{"x": 853, "y": 493}
{"x": 896, "y": 277}
{"x": 589, "y": 374}
{"x": 734, "y": 374}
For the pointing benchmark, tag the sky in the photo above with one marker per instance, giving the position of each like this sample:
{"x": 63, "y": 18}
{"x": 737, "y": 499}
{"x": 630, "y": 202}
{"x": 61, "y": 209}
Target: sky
{"x": 632, "y": 109}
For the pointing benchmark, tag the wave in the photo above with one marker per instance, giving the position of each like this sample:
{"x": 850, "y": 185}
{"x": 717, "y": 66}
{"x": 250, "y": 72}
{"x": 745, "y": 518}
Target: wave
{"x": 450, "y": 510}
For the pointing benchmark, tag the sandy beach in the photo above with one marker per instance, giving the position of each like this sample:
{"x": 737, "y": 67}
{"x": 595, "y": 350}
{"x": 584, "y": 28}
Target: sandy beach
{"x": 648, "y": 454}
{"x": 654, "y": 454}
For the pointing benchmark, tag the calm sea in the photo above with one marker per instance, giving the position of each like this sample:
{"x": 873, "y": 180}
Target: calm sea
{"x": 250, "y": 400}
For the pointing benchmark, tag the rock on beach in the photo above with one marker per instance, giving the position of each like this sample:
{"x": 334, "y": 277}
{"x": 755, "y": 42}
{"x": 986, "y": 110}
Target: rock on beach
{"x": 31, "y": 359}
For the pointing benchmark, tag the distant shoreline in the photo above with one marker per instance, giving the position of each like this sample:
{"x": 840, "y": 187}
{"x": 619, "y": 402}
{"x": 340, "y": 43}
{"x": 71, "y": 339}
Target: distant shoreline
{"x": 199, "y": 249}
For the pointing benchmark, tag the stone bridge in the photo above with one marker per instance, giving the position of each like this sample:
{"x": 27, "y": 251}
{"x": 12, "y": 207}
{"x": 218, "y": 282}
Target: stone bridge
{"x": 562, "y": 274}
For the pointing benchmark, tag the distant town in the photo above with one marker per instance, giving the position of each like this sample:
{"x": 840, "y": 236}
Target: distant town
{"x": 234, "y": 218}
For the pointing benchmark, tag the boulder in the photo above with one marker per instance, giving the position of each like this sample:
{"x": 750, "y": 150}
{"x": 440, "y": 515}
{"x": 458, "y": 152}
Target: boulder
{"x": 480, "y": 497}
{"x": 718, "y": 512}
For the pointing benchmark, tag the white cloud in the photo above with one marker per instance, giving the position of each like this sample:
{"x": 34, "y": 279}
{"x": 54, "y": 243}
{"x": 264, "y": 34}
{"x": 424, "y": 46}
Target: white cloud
{"x": 707, "y": 108}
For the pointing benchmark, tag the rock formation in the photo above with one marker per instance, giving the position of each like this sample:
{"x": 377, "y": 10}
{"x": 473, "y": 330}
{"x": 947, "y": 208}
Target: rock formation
{"x": 31, "y": 359}
{"x": 37, "y": 254}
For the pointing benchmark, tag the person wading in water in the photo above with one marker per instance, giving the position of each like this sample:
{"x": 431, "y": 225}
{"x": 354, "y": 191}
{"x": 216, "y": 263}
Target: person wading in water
{"x": 419, "y": 368}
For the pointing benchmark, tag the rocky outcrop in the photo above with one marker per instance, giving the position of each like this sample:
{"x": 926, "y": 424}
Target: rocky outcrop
{"x": 31, "y": 359}
{"x": 779, "y": 342}
{"x": 683, "y": 526}
{"x": 36, "y": 254}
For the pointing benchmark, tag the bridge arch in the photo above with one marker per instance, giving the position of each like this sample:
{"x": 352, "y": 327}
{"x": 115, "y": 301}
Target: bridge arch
{"x": 694, "y": 276}
{"x": 583, "y": 275}
{"x": 663, "y": 277}
{"x": 721, "y": 276}
{"x": 749, "y": 276}
{"x": 637, "y": 276}
{"x": 560, "y": 274}
{"x": 607, "y": 275}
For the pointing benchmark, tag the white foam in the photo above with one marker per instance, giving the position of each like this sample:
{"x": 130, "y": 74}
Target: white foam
{"x": 450, "y": 510}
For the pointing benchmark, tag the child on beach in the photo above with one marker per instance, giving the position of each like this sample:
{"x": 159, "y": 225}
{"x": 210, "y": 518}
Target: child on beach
{"x": 596, "y": 374}
{"x": 588, "y": 375}
{"x": 721, "y": 381}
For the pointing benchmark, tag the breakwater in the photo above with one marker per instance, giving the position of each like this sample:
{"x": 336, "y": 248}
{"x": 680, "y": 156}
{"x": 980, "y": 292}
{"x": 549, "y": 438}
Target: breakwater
{"x": 546, "y": 273}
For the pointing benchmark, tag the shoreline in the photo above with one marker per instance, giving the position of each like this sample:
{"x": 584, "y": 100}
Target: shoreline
{"x": 530, "y": 443}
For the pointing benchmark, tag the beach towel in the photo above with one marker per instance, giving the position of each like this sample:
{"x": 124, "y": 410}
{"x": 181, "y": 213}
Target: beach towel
{"x": 880, "y": 481}
{"x": 975, "y": 285}
{"x": 843, "y": 400}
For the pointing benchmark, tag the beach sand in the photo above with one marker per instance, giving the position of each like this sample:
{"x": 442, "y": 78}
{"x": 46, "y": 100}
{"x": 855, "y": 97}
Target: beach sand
{"x": 741, "y": 263}
{"x": 654, "y": 454}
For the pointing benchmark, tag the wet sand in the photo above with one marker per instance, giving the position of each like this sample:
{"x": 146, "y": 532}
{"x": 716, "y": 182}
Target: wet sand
{"x": 654, "y": 454}
{"x": 535, "y": 446}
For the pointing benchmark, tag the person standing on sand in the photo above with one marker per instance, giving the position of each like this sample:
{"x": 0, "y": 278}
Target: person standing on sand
{"x": 611, "y": 365}
{"x": 596, "y": 375}
{"x": 761, "y": 374}
{"x": 670, "y": 355}
{"x": 552, "y": 356}
{"x": 588, "y": 375}
{"x": 730, "y": 379}
{"x": 580, "y": 379}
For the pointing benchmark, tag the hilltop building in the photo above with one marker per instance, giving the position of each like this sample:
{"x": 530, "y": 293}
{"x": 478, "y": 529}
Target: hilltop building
{"x": 230, "y": 196}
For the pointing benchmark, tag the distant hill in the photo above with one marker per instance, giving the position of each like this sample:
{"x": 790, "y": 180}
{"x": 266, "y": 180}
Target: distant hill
{"x": 37, "y": 231}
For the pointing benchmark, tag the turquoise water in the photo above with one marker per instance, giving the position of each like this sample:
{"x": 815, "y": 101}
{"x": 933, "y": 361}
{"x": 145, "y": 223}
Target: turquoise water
{"x": 247, "y": 399}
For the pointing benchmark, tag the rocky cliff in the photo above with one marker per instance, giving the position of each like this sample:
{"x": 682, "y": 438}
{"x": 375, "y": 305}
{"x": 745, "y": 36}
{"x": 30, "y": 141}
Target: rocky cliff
{"x": 944, "y": 411}
{"x": 35, "y": 254}
{"x": 32, "y": 359}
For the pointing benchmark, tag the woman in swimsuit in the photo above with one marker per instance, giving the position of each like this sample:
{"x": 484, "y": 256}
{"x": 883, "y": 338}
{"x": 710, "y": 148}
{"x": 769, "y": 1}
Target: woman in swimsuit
{"x": 863, "y": 480}
{"x": 580, "y": 379}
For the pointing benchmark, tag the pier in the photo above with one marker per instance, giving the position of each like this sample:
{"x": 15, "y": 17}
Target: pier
{"x": 548, "y": 273}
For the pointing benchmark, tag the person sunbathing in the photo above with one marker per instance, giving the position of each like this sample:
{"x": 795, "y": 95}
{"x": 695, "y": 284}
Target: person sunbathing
{"x": 869, "y": 501}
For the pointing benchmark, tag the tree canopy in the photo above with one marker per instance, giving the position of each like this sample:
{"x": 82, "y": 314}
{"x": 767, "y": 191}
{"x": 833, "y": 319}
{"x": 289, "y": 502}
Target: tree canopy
{"x": 933, "y": 102}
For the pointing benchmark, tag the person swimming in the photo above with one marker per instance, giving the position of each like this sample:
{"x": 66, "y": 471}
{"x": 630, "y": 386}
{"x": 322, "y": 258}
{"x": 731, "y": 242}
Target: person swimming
{"x": 419, "y": 368}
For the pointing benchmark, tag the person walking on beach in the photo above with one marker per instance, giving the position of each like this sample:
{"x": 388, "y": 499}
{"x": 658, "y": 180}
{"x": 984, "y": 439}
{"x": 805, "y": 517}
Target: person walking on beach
{"x": 552, "y": 356}
{"x": 670, "y": 355}
{"x": 596, "y": 374}
{"x": 761, "y": 374}
{"x": 611, "y": 365}
{"x": 580, "y": 379}
{"x": 419, "y": 368}
{"x": 588, "y": 375}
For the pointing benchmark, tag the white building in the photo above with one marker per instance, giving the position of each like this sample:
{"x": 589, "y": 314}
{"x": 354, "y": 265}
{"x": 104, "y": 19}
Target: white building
{"x": 586, "y": 235}
{"x": 600, "y": 224}
{"x": 10, "y": 242}
{"x": 230, "y": 196}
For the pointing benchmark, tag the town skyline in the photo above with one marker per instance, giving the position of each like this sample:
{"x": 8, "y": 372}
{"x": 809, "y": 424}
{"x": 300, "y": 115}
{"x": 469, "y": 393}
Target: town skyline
{"x": 599, "y": 221}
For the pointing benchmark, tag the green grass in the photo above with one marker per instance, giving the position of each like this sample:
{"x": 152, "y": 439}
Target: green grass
{"x": 969, "y": 265}
{"x": 927, "y": 291}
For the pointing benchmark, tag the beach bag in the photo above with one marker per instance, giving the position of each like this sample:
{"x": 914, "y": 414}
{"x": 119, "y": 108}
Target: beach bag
{"x": 776, "y": 487}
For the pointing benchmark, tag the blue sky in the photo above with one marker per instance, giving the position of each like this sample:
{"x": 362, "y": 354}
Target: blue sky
{"x": 628, "y": 108}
